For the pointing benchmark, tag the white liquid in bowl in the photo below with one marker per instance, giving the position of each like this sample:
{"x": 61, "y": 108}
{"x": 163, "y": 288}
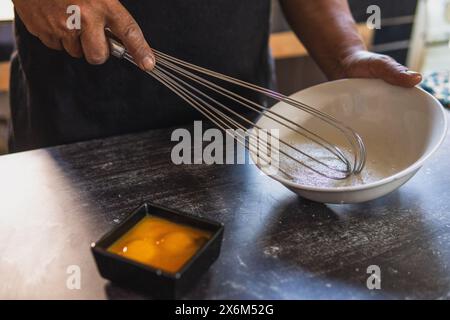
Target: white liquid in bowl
{"x": 376, "y": 168}
{"x": 373, "y": 171}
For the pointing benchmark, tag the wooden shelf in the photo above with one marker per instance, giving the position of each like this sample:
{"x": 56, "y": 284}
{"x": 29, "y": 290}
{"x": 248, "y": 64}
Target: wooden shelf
{"x": 286, "y": 44}
{"x": 4, "y": 76}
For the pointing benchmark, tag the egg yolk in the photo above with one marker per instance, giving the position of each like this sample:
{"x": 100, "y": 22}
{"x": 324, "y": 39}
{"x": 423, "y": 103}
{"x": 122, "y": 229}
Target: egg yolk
{"x": 140, "y": 250}
{"x": 177, "y": 242}
{"x": 160, "y": 243}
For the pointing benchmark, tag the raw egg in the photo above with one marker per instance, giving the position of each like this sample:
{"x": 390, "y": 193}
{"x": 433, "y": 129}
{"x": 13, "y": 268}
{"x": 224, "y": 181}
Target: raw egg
{"x": 160, "y": 243}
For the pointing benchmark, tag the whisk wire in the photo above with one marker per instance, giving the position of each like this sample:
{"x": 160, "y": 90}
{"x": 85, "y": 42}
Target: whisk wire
{"x": 358, "y": 148}
{"x": 182, "y": 77}
{"x": 267, "y": 113}
{"x": 338, "y": 153}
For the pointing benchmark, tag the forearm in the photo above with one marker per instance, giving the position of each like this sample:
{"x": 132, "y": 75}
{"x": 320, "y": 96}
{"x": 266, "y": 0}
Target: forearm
{"x": 326, "y": 28}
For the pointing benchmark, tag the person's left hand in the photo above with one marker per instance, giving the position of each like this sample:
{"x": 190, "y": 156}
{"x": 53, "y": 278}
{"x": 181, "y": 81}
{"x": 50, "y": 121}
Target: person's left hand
{"x": 365, "y": 64}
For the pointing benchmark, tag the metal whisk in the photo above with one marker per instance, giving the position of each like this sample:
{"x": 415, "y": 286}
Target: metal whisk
{"x": 191, "y": 82}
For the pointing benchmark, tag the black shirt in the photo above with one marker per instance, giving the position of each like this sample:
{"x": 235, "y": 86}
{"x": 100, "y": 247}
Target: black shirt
{"x": 57, "y": 99}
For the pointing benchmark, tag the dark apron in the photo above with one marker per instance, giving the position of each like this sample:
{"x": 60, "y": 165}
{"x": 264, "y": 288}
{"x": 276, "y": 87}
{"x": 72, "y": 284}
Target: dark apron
{"x": 56, "y": 99}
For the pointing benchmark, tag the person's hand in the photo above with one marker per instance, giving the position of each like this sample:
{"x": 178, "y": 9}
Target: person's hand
{"x": 364, "y": 64}
{"x": 47, "y": 20}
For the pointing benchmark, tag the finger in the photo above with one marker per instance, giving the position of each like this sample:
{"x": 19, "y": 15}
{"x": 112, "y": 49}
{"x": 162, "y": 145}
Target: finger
{"x": 127, "y": 30}
{"x": 389, "y": 70}
{"x": 51, "y": 42}
{"x": 94, "y": 44}
{"x": 72, "y": 45}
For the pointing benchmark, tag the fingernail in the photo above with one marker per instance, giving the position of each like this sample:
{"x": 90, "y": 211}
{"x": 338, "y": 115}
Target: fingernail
{"x": 148, "y": 63}
{"x": 413, "y": 73}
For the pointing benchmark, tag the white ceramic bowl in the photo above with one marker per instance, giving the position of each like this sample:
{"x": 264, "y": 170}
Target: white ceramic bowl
{"x": 401, "y": 126}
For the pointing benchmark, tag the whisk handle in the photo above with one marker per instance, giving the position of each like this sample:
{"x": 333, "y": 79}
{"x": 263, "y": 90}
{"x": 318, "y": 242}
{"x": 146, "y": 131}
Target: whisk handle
{"x": 116, "y": 48}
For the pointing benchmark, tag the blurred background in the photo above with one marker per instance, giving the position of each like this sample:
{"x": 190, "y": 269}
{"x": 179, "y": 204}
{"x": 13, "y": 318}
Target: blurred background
{"x": 415, "y": 32}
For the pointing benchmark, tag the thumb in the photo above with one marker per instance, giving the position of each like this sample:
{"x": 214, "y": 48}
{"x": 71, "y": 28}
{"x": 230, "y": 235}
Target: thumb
{"x": 124, "y": 26}
{"x": 391, "y": 71}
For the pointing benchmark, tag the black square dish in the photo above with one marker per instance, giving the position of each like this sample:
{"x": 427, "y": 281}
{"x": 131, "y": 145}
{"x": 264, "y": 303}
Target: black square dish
{"x": 143, "y": 277}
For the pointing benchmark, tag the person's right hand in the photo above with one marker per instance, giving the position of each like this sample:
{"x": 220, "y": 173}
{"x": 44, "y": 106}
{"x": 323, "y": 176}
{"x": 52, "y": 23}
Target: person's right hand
{"x": 47, "y": 20}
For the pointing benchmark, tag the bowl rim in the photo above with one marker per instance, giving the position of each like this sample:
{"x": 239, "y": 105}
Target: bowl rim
{"x": 410, "y": 169}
